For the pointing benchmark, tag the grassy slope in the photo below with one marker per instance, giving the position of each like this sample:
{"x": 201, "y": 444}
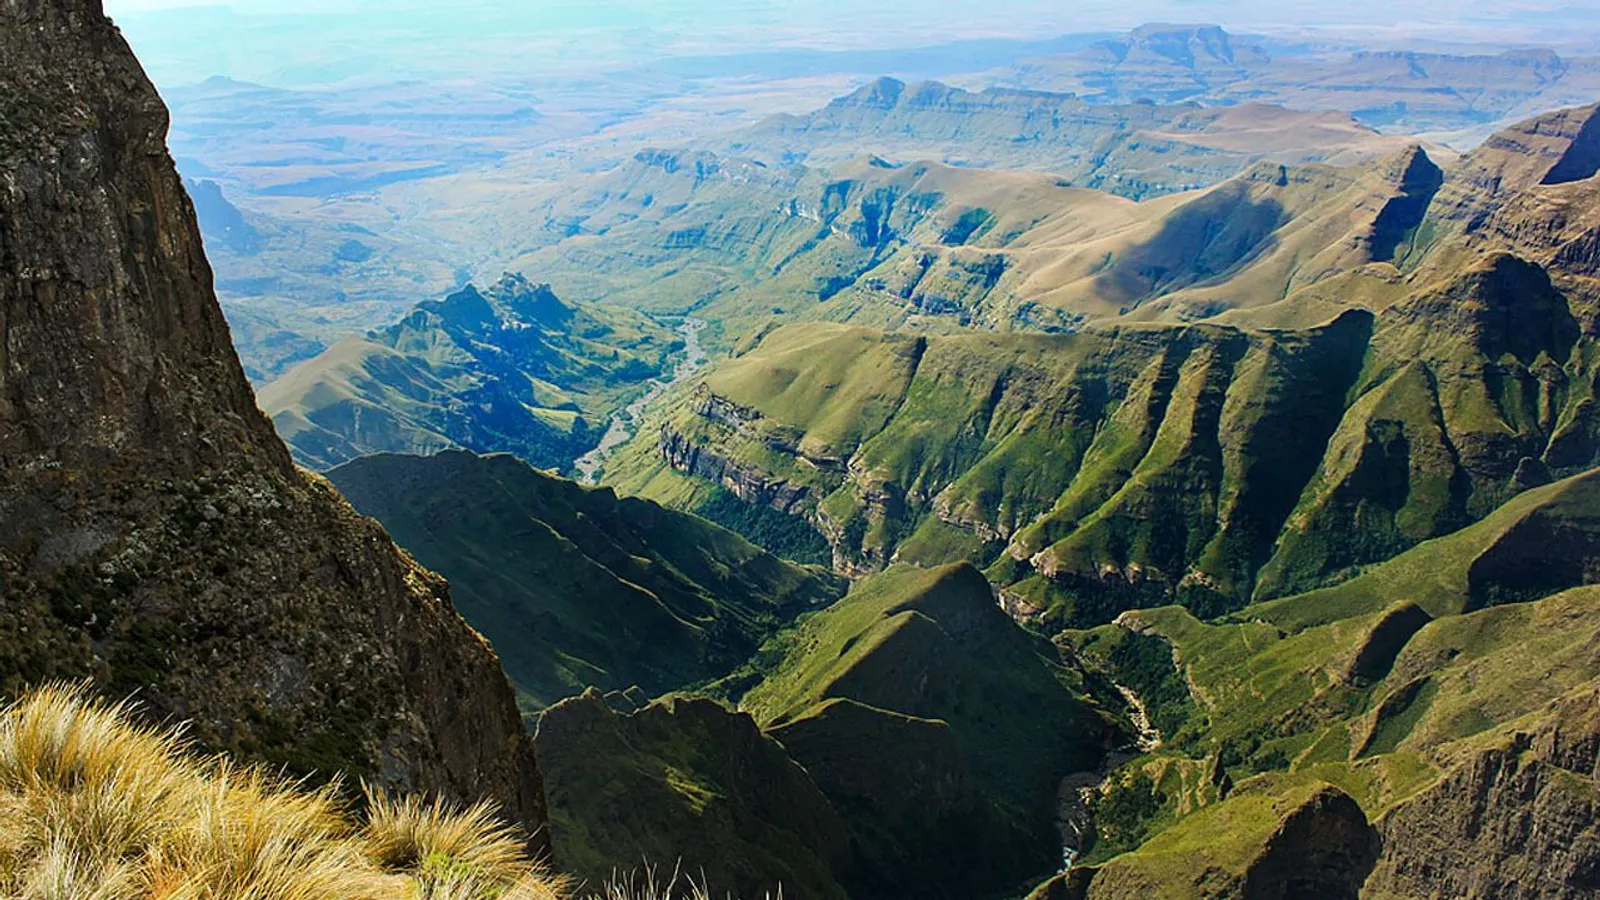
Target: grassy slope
{"x": 1274, "y": 699}
{"x": 932, "y": 646}
{"x": 1126, "y": 466}
{"x": 688, "y": 784}
{"x": 574, "y": 586}
{"x": 1439, "y": 575}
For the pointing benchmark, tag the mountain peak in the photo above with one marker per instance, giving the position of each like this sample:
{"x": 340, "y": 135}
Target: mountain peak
{"x": 530, "y": 302}
{"x": 883, "y": 92}
{"x": 466, "y": 308}
{"x": 1554, "y": 148}
{"x": 1182, "y": 44}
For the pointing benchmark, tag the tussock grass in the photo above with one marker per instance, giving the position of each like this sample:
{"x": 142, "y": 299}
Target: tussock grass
{"x": 94, "y": 806}
{"x": 649, "y": 883}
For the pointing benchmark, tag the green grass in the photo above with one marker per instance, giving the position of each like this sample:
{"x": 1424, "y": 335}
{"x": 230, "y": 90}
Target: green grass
{"x": 577, "y": 587}
{"x": 932, "y": 644}
{"x": 689, "y": 781}
{"x": 1439, "y": 575}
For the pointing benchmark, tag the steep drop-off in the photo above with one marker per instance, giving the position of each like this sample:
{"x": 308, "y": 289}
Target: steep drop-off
{"x": 154, "y": 535}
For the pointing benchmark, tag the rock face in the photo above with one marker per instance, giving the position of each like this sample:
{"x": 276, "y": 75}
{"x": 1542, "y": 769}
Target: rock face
{"x": 154, "y": 535}
{"x": 1514, "y": 820}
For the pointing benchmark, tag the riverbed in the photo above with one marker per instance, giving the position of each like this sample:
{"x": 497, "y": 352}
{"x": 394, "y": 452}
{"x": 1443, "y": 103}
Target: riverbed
{"x": 626, "y": 423}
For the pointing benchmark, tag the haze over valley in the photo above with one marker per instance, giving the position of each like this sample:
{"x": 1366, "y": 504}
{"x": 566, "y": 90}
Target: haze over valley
{"x": 641, "y": 451}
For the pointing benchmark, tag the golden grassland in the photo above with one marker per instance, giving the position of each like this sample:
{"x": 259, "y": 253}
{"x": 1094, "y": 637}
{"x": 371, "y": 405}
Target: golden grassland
{"x": 94, "y": 806}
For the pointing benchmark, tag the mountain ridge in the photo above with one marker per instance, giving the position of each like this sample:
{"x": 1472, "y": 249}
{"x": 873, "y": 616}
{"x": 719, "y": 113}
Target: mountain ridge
{"x": 512, "y": 368}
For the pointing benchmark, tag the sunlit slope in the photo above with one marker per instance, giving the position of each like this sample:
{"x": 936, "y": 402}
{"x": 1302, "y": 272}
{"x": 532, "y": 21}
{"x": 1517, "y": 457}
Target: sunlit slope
{"x": 1117, "y": 467}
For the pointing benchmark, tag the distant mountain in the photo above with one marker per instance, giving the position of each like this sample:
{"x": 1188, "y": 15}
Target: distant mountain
{"x": 1408, "y": 91}
{"x": 575, "y": 586}
{"x": 511, "y": 369}
{"x": 1135, "y": 150}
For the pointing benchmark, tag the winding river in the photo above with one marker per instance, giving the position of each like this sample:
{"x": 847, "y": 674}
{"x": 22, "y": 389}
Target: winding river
{"x": 625, "y": 423}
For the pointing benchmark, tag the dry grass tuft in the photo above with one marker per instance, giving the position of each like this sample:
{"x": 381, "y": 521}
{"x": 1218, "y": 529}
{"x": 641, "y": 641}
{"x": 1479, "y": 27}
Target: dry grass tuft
{"x": 94, "y": 806}
{"x": 648, "y": 883}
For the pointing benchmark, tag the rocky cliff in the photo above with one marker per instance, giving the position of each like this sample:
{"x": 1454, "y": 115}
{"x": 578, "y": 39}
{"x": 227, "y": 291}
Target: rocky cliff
{"x": 1516, "y": 819}
{"x": 154, "y": 535}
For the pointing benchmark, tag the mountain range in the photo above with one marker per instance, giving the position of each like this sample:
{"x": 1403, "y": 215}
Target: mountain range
{"x": 1405, "y": 89}
{"x": 1134, "y": 150}
{"x": 1254, "y": 438}
{"x": 1237, "y": 542}
{"x": 510, "y": 369}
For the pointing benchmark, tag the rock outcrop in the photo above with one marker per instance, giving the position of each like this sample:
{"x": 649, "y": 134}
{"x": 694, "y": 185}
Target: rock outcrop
{"x": 1516, "y": 819}
{"x": 154, "y": 535}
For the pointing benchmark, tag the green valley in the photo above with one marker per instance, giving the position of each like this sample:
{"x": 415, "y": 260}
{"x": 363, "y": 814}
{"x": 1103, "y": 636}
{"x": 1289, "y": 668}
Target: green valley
{"x": 575, "y": 586}
{"x": 1184, "y": 487}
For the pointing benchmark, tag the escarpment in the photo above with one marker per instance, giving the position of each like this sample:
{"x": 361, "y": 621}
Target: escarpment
{"x": 155, "y": 537}
{"x": 1516, "y": 819}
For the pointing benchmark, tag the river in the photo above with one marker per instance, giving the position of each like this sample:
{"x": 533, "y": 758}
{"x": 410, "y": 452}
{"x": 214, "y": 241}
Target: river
{"x": 625, "y": 423}
{"x": 1073, "y": 817}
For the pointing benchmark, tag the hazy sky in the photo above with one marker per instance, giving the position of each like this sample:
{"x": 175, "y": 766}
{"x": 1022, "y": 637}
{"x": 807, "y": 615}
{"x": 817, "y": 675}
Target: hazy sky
{"x": 314, "y": 41}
